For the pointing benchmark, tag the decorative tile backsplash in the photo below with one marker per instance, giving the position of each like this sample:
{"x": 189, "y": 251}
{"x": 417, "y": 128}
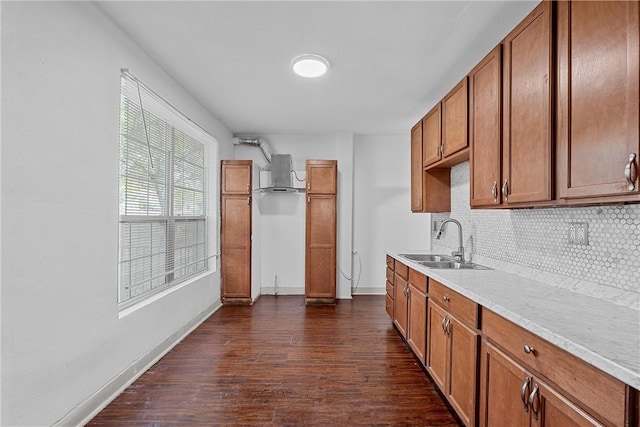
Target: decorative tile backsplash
{"x": 535, "y": 241}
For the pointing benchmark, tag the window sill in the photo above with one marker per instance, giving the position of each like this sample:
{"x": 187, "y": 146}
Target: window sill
{"x": 124, "y": 312}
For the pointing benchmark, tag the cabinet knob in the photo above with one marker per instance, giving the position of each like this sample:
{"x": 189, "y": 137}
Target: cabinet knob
{"x": 446, "y": 298}
{"x": 529, "y": 350}
{"x": 631, "y": 172}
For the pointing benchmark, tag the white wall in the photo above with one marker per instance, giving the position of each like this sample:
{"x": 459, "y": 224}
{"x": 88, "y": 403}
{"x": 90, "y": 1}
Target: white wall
{"x": 62, "y": 339}
{"x": 382, "y": 207}
{"x": 374, "y": 210}
{"x": 282, "y": 216}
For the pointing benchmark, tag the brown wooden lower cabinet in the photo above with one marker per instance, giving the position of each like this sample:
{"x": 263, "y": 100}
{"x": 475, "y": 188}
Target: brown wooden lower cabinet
{"x": 417, "y": 314}
{"x": 236, "y": 249}
{"x": 511, "y": 392}
{"x": 410, "y": 307}
{"x": 524, "y": 377}
{"x": 437, "y": 344}
{"x": 400, "y": 307}
{"x": 452, "y": 360}
{"x": 390, "y": 285}
{"x": 501, "y": 374}
{"x": 320, "y": 259}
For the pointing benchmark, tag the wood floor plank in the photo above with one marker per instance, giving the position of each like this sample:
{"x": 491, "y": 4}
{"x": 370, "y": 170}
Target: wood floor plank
{"x": 280, "y": 362}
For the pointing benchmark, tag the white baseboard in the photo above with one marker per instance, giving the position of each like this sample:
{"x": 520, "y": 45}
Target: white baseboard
{"x": 89, "y": 408}
{"x": 363, "y": 290}
{"x": 360, "y": 290}
{"x": 270, "y": 290}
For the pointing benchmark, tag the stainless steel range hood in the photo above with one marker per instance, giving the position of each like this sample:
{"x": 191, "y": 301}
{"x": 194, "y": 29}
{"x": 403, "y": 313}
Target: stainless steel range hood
{"x": 279, "y": 176}
{"x": 282, "y": 176}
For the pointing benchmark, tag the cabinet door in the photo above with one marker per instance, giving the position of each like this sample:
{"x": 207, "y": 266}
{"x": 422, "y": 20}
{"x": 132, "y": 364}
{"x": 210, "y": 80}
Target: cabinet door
{"x": 400, "y": 305}
{"x": 236, "y": 246}
{"x": 462, "y": 371}
{"x": 437, "y": 345}
{"x": 417, "y": 170}
{"x": 551, "y": 409}
{"x": 455, "y": 135}
{"x": 597, "y": 97}
{"x": 320, "y": 257}
{"x": 485, "y": 130}
{"x": 389, "y": 304}
{"x": 236, "y": 177}
{"x": 322, "y": 176}
{"x": 501, "y": 382}
{"x": 417, "y": 328}
{"x": 527, "y": 144}
{"x": 431, "y": 136}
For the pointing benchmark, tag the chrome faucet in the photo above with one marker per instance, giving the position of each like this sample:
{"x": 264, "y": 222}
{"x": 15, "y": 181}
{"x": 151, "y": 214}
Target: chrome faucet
{"x": 459, "y": 254}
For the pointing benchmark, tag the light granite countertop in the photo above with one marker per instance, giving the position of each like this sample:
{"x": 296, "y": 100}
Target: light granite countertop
{"x": 601, "y": 333}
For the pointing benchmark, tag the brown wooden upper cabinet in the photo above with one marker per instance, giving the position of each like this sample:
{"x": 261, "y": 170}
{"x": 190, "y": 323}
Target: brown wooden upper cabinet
{"x": 432, "y": 136}
{"x": 322, "y": 176}
{"x": 510, "y": 115}
{"x": 527, "y": 114}
{"x": 445, "y": 130}
{"x": 485, "y": 130}
{"x": 236, "y": 177}
{"x": 430, "y": 190}
{"x": 455, "y": 136}
{"x": 597, "y": 120}
{"x": 416, "y": 168}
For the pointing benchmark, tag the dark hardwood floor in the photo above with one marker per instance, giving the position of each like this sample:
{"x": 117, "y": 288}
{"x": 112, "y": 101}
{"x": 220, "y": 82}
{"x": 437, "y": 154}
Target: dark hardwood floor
{"x": 281, "y": 363}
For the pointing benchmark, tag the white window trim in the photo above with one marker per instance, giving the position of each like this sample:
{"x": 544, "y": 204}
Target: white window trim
{"x": 154, "y": 103}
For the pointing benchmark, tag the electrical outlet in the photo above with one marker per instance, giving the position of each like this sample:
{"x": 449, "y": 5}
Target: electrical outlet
{"x": 582, "y": 233}
{"x": 572, "y": 234}
{"x": 578, "y": 233}
{"x": 436, "y": 225}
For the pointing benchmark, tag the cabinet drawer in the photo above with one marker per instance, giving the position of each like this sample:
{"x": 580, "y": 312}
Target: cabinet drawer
{"x": 418, "y": 280}
{"x": 390, "y": 289}
{"x": 465, "y": 309}
{"x": 402, "y": 270}
{"x": 389, "y": 306}
{"x": 602, "y": 395}
{"x": 389, "y": 275}
{"x": 390, "y": 262}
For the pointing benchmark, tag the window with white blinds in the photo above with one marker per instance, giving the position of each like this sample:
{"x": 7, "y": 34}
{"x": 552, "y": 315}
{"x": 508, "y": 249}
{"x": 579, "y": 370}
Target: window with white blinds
{"x": 164, "y": 164}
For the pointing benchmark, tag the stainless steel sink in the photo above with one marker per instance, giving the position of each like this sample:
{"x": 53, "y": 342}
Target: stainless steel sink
{"x": 427, "y": 257}
{"x": 453, "y": 265}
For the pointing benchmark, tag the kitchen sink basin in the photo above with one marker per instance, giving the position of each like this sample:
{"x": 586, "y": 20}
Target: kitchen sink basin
{"x": 427, "y": 257}
{"x": 453, "y": 265}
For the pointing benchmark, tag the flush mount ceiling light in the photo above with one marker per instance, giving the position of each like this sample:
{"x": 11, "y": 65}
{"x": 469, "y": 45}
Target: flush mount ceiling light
{"x": 309, "y": 65}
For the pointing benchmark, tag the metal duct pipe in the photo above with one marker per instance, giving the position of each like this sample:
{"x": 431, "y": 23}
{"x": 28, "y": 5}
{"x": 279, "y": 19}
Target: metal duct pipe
{"x": 256, "y": 141}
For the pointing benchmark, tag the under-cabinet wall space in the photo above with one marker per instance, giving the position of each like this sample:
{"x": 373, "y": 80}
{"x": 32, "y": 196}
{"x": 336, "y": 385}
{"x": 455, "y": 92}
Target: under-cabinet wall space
{"x": 533, "y": 242}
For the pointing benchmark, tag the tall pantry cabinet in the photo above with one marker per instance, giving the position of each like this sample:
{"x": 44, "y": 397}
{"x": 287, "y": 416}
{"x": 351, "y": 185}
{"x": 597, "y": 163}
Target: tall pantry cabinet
{"x": 321, "y": 222}
{"x": 235, "y": 207}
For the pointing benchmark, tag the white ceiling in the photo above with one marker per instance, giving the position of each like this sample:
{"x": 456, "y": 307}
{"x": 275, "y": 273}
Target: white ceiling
{"x": 390, "y": 61}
